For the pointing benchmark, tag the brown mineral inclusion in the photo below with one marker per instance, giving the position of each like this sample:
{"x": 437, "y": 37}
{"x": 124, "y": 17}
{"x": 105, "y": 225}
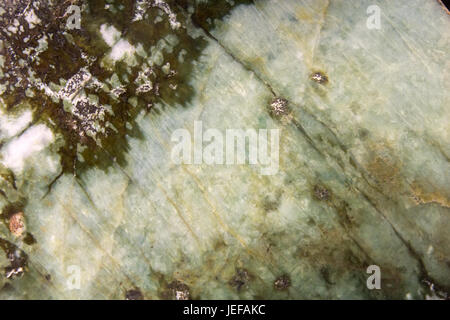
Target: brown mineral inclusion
{"x": 17, "y": 224}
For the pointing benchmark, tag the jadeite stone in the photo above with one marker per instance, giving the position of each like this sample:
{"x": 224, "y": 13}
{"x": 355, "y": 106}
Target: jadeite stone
{"x": 86, "y": 123}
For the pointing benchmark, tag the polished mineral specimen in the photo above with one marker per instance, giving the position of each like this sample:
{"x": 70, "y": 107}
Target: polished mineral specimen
{"x": 92, "y": 205}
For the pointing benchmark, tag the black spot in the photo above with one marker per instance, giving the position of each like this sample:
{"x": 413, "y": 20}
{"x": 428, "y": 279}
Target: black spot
{"x": 134, "y": 294}
{"x": 29, "y": 239}
{"x": 363, "y": 133}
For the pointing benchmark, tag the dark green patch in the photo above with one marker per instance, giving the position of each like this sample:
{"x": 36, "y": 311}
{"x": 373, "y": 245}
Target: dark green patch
{"x": 208, "y": 14}
{"x": 9, "y": 210}
{"x": 29, "y": 239}
{"x": 363, "y": 133}
{"x": 271, "y": 203}
{"x": 326, "y": 274}
{"x": 63, "y": 59}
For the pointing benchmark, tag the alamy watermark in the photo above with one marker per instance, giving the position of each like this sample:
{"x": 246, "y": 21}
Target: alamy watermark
{"x": 374, "y": 280}
{"x": 74, "y": 277}
{"x": 374, "y": 19}
{"x": 74, "y": 17}
{"x": 232, "y": 147}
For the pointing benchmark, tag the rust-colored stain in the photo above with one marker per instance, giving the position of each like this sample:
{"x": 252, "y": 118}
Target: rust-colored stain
{"x": 386, "y": 171}
{"x": 421, "y": 196}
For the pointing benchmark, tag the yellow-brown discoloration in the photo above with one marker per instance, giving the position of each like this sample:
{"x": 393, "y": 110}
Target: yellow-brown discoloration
{"x": 384, "y": 168}
{"x": 421, "y": 196}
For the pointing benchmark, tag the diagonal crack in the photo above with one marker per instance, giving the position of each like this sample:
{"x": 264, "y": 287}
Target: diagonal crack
{"x": 244, "y": 65}
{"x": 424, "y": 274}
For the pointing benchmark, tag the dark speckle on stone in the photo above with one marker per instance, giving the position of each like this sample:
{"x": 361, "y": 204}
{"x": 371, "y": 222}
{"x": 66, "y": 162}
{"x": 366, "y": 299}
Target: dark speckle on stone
{"x": 321, "y": 193}
{"x": 279, "y": 106}
{"x": 240, "y": 279}
{"x": 325, "y": 272}
{"x": 319, "y": 77}
{"x": 363, "y": 133}
{"x": 283, "y": 282}
{"x": 179, "y": 290}
{"x": 18, "y": 261}
{"x": 134, "y": 294}
{"x": 29, "y": 239}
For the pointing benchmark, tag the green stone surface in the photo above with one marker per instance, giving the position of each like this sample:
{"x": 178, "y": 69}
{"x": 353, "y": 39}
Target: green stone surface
{"x": 87, "y": 116}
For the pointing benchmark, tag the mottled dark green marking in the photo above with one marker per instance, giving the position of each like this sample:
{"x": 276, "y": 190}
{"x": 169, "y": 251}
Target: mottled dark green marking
{"x": 64, "y": 58}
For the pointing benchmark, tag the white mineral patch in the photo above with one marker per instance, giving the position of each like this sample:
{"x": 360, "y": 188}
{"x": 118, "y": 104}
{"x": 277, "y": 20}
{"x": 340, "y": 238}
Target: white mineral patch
{"x": 110, "y": 34}
{"x": 121, "y": 49}
{"x": 35, "y": 139}
{"x": 32, "y": 19}
{"x": 12, "y": 29}
{"x": 42, "y": 44}
{"x": 11, "y": 125}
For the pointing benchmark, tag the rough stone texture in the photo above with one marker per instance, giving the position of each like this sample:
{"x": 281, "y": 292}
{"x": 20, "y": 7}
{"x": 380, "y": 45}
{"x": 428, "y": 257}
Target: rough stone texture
{"x": 86, "y": 120}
